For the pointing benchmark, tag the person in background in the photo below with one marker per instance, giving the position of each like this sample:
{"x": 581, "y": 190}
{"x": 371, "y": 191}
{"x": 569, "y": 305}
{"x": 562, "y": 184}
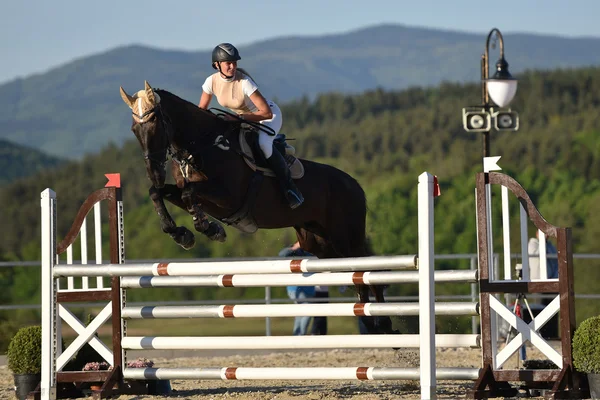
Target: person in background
{"x": 319, "y": 324}
{"x": 299, "y": 293}
{"x": 533, "y": 248}
{"x": 550, "y": 329}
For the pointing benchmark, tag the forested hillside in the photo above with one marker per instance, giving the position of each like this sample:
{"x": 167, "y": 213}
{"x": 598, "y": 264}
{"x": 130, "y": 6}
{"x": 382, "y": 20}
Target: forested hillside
{"x": 385, "y": 139}
{"x": 19, "y": 161}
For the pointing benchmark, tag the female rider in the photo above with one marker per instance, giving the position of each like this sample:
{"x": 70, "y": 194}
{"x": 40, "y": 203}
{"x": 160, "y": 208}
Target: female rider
{"x": 235, "y": 89}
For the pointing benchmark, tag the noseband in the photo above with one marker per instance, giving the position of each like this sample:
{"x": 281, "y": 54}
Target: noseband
{"x": 141, "y": 117}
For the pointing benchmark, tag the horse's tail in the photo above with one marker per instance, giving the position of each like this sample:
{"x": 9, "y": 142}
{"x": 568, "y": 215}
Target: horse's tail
{"x": 366, "y": 243}
{"x": 352, "y": 209}
{"x": 368, "y": 247}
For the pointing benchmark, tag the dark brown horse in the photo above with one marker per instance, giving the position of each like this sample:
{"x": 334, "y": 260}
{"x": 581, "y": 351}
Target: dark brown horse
{"x": 211, "y": 176}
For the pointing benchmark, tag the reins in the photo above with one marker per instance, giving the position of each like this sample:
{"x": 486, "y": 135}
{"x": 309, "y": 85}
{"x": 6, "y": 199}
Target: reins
{"x": 256, "y": 125}
{"x": 184, "y": 157}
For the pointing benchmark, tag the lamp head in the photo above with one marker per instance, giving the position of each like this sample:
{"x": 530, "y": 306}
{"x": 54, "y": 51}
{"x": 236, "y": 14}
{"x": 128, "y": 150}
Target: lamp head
{"x": 502, "y": 87}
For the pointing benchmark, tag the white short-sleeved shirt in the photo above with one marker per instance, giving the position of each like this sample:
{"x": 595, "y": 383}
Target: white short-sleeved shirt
{"x": 227, "y": 91}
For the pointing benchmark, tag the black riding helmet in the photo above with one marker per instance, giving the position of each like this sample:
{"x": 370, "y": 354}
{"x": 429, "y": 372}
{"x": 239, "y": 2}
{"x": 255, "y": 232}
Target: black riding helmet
{"x": 225, "y": 52}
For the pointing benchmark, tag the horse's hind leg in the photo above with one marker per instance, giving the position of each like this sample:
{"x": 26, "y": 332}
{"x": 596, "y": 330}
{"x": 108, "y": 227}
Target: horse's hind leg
{"x": 324, "y": 248}
{"x": 182, "y": 236}
{"x": 367, "y": 322}
{"x": 377, "y": 324}
{"x": 382, "y": 323}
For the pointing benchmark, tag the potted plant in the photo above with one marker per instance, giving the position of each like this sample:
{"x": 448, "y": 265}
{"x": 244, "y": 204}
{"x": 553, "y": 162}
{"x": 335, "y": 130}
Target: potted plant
{"x": 586, "y": 352}
{"x": 25, "y": 359}
{"x": 96, "y": 366}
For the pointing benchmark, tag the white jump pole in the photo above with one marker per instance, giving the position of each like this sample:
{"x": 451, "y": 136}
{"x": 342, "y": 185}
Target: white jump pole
{"x": 49, "y": 310}
{"x": 298, "y": 373}
{"x": 543, "y": 255}
{"x": 273, "y": 280}
{"x": 295, "y": 310}
{"x": 426, "y": 287}
{"x": 278, "y": 266}
{"x": 296, "y": 342}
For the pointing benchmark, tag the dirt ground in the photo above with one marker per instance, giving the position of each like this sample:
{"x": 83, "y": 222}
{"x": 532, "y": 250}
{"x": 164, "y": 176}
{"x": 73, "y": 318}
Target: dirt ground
{"x": 312, "y": 390}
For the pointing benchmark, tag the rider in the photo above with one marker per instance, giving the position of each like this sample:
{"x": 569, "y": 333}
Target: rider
{"x": 236, "y": 90}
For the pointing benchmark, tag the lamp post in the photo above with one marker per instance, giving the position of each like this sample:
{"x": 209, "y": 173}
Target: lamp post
{"x": 501, "y": 88}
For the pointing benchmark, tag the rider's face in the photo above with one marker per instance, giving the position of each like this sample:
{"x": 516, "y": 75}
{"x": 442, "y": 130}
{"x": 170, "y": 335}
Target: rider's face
{"x": 228, "y": 68}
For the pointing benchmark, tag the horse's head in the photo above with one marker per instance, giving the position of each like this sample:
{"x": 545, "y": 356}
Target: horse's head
{"x": 149, "y": 129}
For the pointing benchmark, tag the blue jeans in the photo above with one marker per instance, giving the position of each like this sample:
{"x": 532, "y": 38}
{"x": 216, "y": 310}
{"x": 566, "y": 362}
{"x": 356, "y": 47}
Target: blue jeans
{"x": 300, "y": 323}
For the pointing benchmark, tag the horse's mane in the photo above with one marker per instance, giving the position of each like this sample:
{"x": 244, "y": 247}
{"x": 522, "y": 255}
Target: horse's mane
{"x": 181, "y": 104}
{"x": 190, "y": 121}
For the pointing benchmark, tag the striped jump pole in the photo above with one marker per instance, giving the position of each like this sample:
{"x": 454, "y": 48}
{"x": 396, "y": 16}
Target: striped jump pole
{"x": 282, "y": 266}
{"x": 332, "y": 279}
{"x": 340, "y": 373}
{"x": 294, "y": 342}
{"x": 295, "y": 310}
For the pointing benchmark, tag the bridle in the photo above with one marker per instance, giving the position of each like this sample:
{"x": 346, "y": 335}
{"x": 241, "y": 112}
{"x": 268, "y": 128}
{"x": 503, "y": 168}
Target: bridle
{"x": 169, "y": 148}
{"x": 182, "y": 157}
{"x": 141, "y": 117}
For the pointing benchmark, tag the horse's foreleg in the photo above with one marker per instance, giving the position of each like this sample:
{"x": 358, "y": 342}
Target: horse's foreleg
{"x": 198, "y": 216}
{"x": 182, "y": 236}
{"x": 211, "y": 229}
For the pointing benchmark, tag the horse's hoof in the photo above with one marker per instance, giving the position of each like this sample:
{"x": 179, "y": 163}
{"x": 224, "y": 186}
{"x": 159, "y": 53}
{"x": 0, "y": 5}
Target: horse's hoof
{"x": 188, "y": 245}
{"x": 216, "y": 232}
{"x": 201, "y": 225}
{"x": 184, "y": 237}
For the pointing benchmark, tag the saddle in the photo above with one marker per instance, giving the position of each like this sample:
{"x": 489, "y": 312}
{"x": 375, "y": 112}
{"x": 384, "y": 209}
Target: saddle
{"x": 243, "y": 218}
{"x": 254, "y": 158}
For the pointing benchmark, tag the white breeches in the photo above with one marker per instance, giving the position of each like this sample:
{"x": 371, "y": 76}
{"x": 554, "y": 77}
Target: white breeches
{"x": 265, "y": 141}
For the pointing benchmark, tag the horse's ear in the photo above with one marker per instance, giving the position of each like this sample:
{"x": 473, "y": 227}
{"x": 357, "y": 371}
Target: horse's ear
{"x": 127, "y": 98}
{"x": 149, "y": 92}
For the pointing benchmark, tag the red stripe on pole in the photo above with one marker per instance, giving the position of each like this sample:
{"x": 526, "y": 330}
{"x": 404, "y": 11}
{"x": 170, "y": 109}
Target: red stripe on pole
{"x": 227, "y": 280}
{"x": 163, "y": 269}
{"x": 228, "y": 311}
{"x": 357, "y": 278}
{"x": 359, "y": 309}
{"x": 230, "y": 373}
{"x": 295, "y": 266}
{"x": 361, "y": 373}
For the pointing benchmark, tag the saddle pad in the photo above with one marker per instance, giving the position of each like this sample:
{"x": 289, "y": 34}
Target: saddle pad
{"x": 296, "y": 167}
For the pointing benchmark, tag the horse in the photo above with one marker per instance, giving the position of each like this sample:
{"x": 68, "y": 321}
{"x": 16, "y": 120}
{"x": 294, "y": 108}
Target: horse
{"x": 212, "y": 177}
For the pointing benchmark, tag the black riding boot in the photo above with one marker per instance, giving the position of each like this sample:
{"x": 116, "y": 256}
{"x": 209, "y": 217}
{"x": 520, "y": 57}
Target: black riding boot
{"x": 279, "y": 166}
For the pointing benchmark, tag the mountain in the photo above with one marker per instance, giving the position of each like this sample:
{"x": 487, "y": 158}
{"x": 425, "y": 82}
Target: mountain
{"x": 75, "y": 109}
{"x": 19, "y": 161}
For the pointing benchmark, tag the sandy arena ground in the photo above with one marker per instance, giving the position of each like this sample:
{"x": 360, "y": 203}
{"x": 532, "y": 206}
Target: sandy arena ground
{"x": 312, "y": 390}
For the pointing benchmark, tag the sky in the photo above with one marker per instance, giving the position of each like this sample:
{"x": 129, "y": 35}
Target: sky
{"x": 37, "y": 35}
